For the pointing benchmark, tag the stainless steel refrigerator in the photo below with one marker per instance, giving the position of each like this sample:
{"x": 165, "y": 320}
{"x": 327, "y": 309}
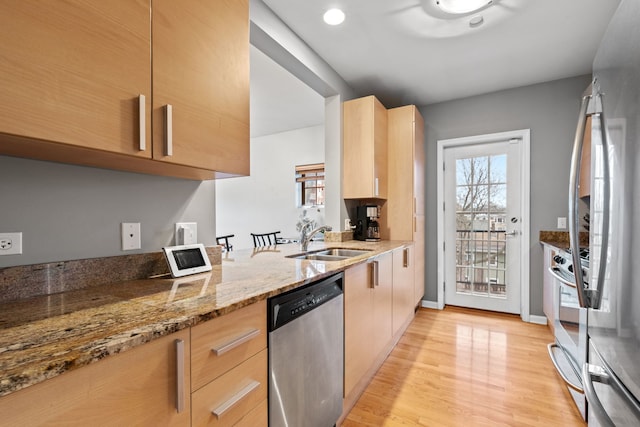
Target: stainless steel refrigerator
{"x": 611, "y": 376}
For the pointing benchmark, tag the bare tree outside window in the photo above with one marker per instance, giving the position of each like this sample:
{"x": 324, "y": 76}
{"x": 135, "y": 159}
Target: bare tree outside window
{"x": 480, "y": 224}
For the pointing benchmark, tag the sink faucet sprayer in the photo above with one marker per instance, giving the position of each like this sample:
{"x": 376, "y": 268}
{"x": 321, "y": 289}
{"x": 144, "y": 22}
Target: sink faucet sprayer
{"x": 306, "y": 238}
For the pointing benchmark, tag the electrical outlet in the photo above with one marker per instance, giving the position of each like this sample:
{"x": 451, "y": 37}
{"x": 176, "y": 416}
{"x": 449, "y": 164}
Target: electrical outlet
{"x": 130, "y": 236}
{"x": 10, "y": 243}
{"x": 186, "y": 233}
{"x": 347, "y": 224}
{"x": 562, "y": 223}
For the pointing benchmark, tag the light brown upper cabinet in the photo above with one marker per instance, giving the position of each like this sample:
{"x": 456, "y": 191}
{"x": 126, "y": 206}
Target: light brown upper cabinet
{"x": 201, "y": 70}
{"x": 364, "y": 149}
{"x": 72, "y": 72}
{"x": 404, "y": 209}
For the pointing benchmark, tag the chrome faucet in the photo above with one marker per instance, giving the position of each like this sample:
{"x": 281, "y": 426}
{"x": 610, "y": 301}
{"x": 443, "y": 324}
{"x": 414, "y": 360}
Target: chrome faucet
{"x": 306, "y": 237}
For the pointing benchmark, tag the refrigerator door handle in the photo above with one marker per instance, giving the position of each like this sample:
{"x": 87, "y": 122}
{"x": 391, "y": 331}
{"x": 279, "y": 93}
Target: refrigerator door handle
{"x": 574, "y": 182}
{"x": 590, "y": 371}
{"x": 595, "y": 297}
{"x": 593, "y": 373}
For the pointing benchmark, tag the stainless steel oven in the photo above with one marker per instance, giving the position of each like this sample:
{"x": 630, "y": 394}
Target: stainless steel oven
{"x": 569, "y": 351}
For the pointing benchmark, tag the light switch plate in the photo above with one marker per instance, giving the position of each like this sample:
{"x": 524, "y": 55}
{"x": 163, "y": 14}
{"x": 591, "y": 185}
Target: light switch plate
{"x": 130, "y": 236}
{"x": 562, "y": 223}
{"x": 186, "y": 233}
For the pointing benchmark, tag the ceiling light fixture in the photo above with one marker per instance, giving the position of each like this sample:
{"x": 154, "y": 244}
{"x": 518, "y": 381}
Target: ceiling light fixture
{"x": 476, "y": 21}
{"x": 334, "y": 17}
{"x": 462, "y": 7}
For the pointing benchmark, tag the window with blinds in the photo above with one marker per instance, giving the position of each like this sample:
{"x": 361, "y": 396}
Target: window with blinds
{"x": 310, "y": 184}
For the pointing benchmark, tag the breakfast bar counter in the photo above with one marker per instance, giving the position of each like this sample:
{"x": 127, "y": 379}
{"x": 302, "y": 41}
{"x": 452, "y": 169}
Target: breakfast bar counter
{"x": 44, "y": 336}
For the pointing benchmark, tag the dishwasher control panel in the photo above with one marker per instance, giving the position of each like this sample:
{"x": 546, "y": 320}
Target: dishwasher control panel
{"x": 288, "y": 306}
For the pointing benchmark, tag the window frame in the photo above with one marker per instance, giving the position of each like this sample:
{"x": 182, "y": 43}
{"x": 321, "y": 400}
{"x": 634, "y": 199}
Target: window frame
{"x": 307, "y": 173}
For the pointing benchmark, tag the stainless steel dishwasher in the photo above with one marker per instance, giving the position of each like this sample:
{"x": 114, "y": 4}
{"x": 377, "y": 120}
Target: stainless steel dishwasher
{"x": 306, "y": 355}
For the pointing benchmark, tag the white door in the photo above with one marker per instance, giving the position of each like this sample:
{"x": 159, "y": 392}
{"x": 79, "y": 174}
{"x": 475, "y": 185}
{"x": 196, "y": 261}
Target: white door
{"x": 483, "y": 225}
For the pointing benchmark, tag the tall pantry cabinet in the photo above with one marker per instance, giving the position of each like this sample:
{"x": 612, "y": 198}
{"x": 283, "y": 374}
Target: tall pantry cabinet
{"x": 404, "y": 209}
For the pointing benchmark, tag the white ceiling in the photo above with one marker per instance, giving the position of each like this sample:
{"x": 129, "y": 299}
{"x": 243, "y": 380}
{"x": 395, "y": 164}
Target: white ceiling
{"x": 397, "y": 51}
{"x": 279, "y": 101}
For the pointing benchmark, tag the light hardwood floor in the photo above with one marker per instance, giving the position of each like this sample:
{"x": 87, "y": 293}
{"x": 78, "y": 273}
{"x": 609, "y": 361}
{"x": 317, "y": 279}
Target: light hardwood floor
{"x": 460, "y": 367}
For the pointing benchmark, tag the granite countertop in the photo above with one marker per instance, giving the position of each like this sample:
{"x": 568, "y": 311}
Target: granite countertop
{"x": 560, "y": 239}
{"x": 44, "y": 336}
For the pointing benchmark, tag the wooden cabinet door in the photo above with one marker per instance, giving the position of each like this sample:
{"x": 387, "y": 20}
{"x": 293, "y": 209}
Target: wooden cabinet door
{"x": 381, "y": 332}
{"x": 418, "y": 259}
{"x": 137, "y": 387}
{"x": 358, "y": 321}
{"x": 403, "y": 287}
{"x": 364, "y": 149}
{"x": 404, "y": 210}
{"x": 406, "y": 172}
{"x": 71, "y": 72}
{"x": 418, "y": 162}
{"x": 201, "y": 69}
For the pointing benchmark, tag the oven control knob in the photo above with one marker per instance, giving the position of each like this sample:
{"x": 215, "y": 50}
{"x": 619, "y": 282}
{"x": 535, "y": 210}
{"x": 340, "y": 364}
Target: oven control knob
{"x": 559, "y": 260}
{"x": 570, "y": 268}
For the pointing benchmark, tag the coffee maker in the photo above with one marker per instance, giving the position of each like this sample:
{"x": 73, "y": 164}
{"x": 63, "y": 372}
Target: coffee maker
{"x": 367, "y": 227}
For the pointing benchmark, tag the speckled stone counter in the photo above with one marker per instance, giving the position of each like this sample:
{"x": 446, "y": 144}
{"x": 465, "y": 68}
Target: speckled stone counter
{"x": 560, "y": 239}
{"x": 44, "y": 336}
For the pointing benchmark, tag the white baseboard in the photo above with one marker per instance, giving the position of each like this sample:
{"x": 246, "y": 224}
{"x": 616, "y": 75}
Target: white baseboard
{"x": 429, "y": 304}
{"x": 539, "y": 320}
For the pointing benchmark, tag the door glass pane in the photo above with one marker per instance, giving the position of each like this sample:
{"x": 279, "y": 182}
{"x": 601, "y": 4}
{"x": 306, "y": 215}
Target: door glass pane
{"x": 498, "y": 171}
{"x": 481, "y": 198}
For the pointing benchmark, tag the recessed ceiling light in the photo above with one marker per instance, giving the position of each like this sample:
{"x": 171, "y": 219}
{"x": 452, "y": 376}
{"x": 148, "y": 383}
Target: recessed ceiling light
{"x": 461, "y": 7}
{"x": 334, "y": 17}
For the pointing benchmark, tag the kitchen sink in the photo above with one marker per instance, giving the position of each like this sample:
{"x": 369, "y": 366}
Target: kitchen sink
{"x": 334, "y": 254}
{"x": 347, "y": 253}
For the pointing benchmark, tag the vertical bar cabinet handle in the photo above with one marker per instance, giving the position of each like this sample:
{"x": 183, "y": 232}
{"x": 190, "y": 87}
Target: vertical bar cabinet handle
{"x": 179, "y": 375}
{"x": 374, "y": 274}
{"x": 405, "y": 258}
{"x": 168, "y": 129}
{"x": 142, "y": 122}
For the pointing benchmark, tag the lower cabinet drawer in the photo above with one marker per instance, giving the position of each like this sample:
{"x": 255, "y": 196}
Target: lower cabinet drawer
{"x": 258, "y": 417}
{"x": 227, "y": 399}
{"x": 222, "y": 343}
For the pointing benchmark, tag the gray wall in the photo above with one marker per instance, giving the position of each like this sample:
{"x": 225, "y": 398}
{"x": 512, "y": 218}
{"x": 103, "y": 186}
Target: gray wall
{"x": 72, "y": 212}
{"x": 550, "y": 110}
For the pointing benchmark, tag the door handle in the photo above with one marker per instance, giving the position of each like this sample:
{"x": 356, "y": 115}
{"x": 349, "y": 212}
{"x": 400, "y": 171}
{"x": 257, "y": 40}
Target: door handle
{"x": 595, "y": 296}
{"x": 574, "y": 182}
{"x": 142, "y": 123}
{"x": 168, "y": 129}
{"x": 511, "y": 233}
{"x": 180, "y": 392}
{"x": 556, "y": 365}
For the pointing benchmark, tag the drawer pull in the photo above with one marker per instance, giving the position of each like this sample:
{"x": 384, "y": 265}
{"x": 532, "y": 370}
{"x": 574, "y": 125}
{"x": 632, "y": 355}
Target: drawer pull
{"x": 222, "y": 349}
{"x": 220, "y": 410}
{"x": 179, "y": 375}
